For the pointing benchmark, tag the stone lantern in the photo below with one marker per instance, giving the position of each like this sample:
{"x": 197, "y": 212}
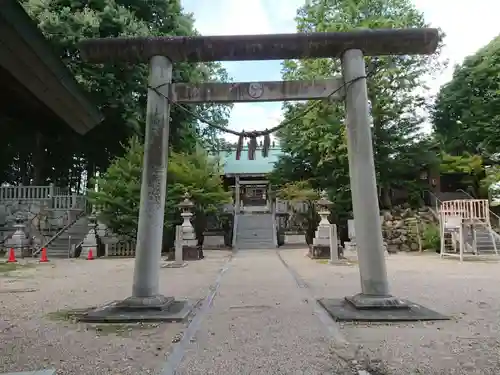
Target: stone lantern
{"x": 323, "y": 205}
{"x": 321, "y": 243}
{"x": 19, "y": 240}
{"x": 90, "y": 241}
{"x": 188, "y": 234}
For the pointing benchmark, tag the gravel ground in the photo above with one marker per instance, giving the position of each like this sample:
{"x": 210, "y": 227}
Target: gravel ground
{"x": 469, "y": 343}
{"x": 261, "y": 322}
{"x": 33, "y": 335}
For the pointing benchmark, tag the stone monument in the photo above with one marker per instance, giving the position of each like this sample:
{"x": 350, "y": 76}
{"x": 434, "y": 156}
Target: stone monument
{"x": 321, "y": 242}
{"x": 295, "y": 236}
{"x": 213, "y": 236}
{"x": 350, "y": 246}
{"x": 178, "y": 255}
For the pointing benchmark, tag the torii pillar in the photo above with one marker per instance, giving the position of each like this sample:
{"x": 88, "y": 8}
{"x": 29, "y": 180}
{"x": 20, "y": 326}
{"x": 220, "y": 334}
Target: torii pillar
{"x": 375, "y": 301}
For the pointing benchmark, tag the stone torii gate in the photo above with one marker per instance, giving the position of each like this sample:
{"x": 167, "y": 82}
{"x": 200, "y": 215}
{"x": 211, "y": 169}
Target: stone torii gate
{"x": 375, "y": 299}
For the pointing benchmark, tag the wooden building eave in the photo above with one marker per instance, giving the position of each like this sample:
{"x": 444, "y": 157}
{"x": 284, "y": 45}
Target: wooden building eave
{"x": 29, "y": 58}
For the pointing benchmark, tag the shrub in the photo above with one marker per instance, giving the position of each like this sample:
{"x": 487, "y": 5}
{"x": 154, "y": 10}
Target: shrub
{"x": 431, "y": 237}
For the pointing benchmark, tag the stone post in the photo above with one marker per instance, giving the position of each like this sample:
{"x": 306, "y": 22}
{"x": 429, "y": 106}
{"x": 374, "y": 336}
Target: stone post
{"x": 368, "y": 230}
{"x": 51, "y": 190}
{"x": 178, "y": 245}
{"x": 237, "y": 195}
{"x": 334, "y": 245}
{"x": 73, "y": 200}
{"x": 145, "y": 289}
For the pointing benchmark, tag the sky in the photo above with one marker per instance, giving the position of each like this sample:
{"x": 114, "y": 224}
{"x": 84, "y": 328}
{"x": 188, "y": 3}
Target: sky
{"x": 467, "y": 29}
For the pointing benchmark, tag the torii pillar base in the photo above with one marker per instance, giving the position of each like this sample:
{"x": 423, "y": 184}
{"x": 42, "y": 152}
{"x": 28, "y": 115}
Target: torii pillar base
{"x": 363, "y": 308}
{"x": 134, "y": 309}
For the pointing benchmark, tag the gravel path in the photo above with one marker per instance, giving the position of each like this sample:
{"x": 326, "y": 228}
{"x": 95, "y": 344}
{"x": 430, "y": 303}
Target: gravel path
{"x": 468, "y": 292}
{"x": 33, "y": 337}
{"x": 261, "y": 322}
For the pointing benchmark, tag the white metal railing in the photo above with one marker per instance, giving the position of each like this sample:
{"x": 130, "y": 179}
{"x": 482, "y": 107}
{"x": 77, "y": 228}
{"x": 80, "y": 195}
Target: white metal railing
{"x": 457, "y": 218}
{"x": 466, "y": 209}
{"x": 494, "y": 218}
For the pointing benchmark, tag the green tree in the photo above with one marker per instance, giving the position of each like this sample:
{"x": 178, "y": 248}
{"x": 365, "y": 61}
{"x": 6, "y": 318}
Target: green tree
{"x": 315, "y": 150}
{"x": 466, "y": 115}
{"x": 302, "y": 192}
{"x": 470, "y": 167}
{"x": 318, "y": 138}
{"x": 118, "y": 195}
{"x": 490, "y": 184}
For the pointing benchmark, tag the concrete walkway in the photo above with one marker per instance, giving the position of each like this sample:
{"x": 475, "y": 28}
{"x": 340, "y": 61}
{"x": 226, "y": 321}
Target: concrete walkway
{"x": 262, "y": 321}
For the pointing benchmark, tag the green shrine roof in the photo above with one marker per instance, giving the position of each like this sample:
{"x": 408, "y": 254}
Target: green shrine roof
{"x": 260, "y": 165}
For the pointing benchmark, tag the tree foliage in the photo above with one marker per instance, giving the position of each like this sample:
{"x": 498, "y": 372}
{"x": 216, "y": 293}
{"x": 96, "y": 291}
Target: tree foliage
{"x": 466, "y": 115}
{"x": 47, "y": 153}
{"x": 465, "y": 163}
{"x": 490, "y": 184}
{"x": 302, "y": 192}
{"x": 299, "y": 191}
{"x": 118, "y": 194}
{"x": 315, "y": 145}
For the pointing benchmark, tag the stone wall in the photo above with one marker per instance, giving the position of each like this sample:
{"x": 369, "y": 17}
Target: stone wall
{"x": 402, "y": 228}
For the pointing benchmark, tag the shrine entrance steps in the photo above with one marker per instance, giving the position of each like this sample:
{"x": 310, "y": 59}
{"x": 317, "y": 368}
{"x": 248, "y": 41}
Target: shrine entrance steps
{"x": 255, "y": 231}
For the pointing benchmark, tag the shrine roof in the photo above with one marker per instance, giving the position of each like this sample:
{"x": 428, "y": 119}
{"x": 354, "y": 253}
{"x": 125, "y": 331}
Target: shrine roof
{"x": 260, "y": 165}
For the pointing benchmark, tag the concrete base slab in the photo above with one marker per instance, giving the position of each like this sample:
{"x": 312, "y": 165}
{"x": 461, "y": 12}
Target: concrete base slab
{"x": 38, "y": 372}
{"x": 174, "y": 265}
{"x": 342, "y": 310}
{"x": 363, "y": 301}
{"x": 114, "y": 312}
{"x": 337, "y": 262}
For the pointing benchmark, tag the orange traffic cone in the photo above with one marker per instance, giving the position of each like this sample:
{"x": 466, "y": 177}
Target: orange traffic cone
{"x": 12, "y": 256}
{"x": 43, "y": 257}
{"x": 90, "y": 255}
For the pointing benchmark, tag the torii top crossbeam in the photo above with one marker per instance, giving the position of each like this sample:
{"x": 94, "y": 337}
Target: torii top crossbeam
{"x": 373, "y": 42}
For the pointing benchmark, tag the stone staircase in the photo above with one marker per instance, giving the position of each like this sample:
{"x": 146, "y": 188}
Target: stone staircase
{"x": 255, "y": 231}
{"x": 484, "y": 241}
{"x": 61, "y": 247}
